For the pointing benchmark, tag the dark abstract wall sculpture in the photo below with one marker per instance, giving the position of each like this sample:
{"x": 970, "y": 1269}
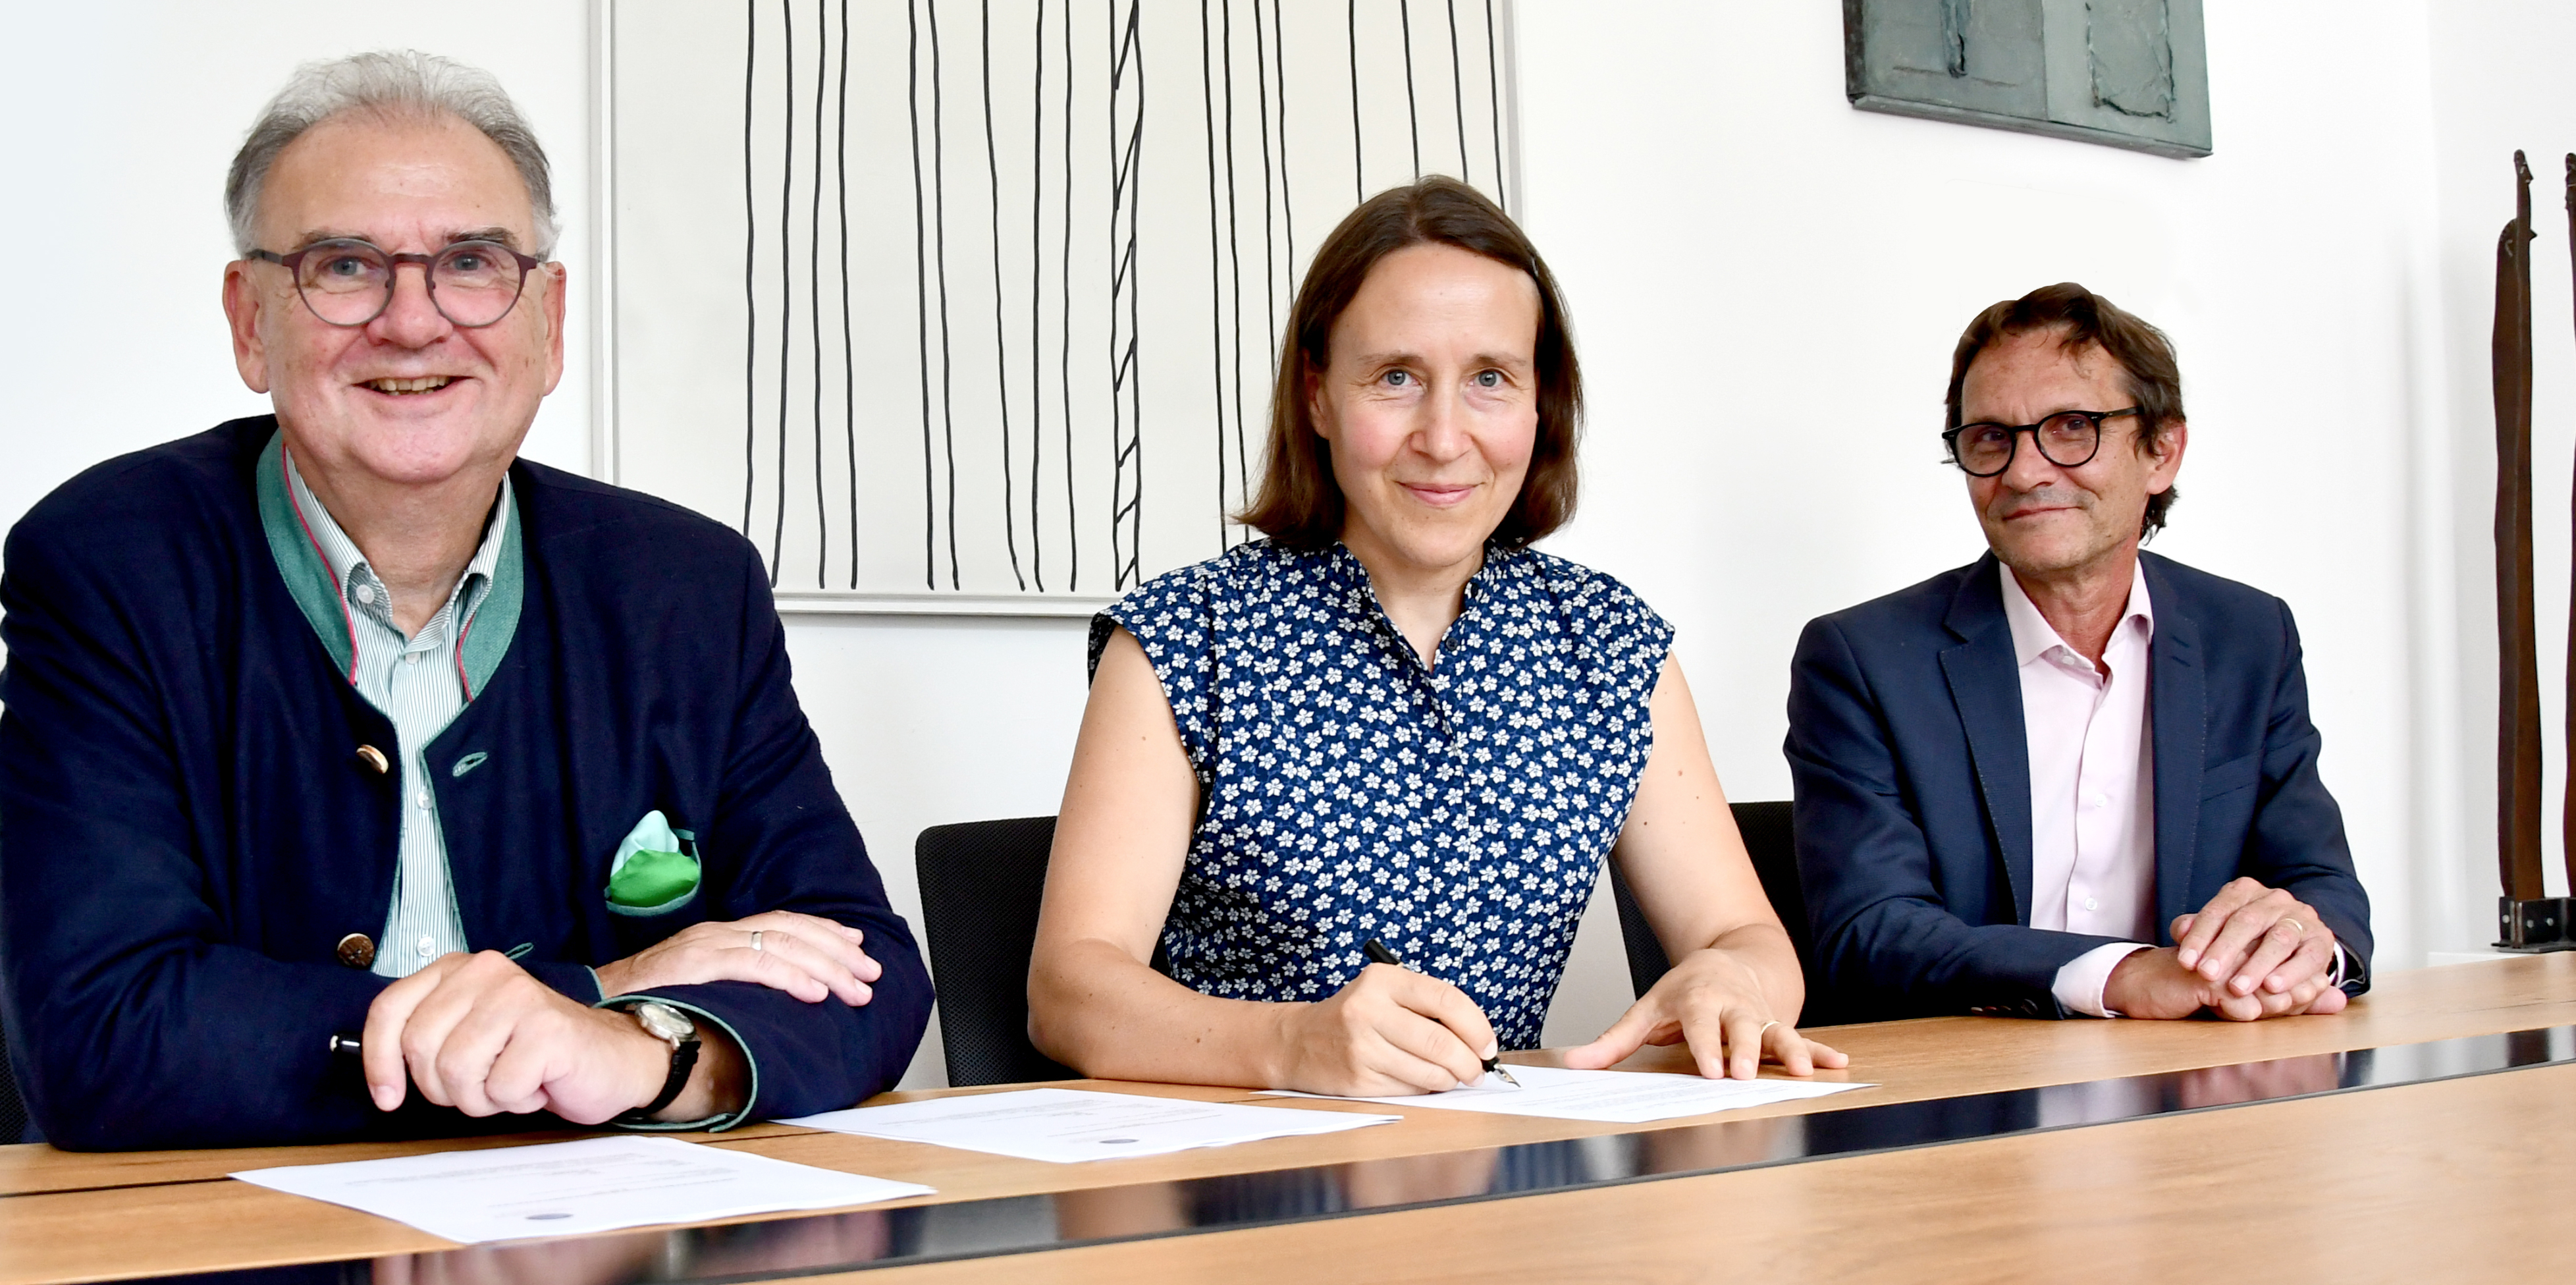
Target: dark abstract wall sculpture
{"x": 2128, "y": 73}
{"x": 978, "y": 299}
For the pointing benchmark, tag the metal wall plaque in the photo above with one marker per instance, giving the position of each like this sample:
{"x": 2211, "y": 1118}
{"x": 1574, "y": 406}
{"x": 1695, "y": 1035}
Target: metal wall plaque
{"x": 2128, "y": 73}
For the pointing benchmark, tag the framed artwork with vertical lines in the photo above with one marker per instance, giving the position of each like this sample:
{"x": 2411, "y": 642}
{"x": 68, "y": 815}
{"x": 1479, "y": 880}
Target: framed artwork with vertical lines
{"x": 973, "y": 306}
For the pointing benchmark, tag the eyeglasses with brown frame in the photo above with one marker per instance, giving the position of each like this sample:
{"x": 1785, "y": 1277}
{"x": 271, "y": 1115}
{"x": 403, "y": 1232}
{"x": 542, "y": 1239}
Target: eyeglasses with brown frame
{"x": 348, "y": 282}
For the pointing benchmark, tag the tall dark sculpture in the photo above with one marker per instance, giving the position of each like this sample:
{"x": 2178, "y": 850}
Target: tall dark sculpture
{"x": 2567, "y": 829}
{"x": 2525, "y": 916}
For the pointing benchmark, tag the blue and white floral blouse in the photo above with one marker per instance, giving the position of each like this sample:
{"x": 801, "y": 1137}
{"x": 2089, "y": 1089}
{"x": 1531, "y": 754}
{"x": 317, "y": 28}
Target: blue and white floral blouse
{"x": 1459, "y": 814}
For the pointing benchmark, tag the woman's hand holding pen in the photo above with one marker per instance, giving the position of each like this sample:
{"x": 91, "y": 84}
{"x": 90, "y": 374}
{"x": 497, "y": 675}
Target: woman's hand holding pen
{"x": 1713, "y": 998}
{"x": 1390, "y": 1031}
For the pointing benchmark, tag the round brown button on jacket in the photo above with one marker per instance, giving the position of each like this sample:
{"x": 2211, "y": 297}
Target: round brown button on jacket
{"x": 374, "y": 758}
{"x": 356, "y": 951}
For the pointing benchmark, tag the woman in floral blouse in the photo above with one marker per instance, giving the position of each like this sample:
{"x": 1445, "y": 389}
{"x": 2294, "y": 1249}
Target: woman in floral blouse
{"x": 1393, "y": 721}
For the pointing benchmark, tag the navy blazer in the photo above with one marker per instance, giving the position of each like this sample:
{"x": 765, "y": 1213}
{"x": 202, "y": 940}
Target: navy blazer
{"x": 186, "y": 832}
{"x": 1912, "y": 769}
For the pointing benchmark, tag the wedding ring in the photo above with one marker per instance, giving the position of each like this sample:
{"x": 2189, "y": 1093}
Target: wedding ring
{"x": 2296, "y": 927}
{"x": 1766, "y": 1029}
{"x": 755, "y": 939}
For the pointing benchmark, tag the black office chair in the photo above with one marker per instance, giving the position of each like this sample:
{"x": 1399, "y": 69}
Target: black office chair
{"x": 980, "y": 886}
{"x": 1773, "y": 846}
{"x": 13, "y": 1109}
{"x": 980, "y": 883}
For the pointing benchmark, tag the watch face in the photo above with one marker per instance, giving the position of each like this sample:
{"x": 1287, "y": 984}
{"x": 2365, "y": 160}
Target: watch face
{"x": 665, "y": 1021}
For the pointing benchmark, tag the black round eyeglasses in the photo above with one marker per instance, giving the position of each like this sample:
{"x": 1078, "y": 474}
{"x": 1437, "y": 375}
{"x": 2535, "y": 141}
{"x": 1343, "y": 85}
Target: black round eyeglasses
{"x": 2067, "y": 439}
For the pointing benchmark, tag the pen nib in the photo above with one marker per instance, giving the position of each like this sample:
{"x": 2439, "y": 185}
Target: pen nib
{"x": 1505, "y": 1076}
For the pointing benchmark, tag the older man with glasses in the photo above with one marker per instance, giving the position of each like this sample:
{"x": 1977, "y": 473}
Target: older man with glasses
{"x": 359, "y": 778}
{"x": 2070, "y": 777}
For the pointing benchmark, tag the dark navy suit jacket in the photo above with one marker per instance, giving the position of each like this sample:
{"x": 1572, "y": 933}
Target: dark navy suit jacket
{"x": 186, "y": 832}
{"x": 1912, "y": 769}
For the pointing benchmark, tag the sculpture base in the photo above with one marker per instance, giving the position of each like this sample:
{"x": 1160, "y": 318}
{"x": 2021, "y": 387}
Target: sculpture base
{"x": 2534, "y": 926}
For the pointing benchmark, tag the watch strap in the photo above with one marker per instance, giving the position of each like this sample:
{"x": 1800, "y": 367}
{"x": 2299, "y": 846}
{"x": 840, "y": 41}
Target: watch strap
{"x": 684, "y": 1058}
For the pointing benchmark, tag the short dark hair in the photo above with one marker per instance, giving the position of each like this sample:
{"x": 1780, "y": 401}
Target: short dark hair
{"x": 1300, "y": 504}
{"x": 2087, "y": 320}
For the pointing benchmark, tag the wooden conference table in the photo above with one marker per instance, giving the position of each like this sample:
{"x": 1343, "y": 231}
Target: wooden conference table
{"x": 2254, "y": 1157}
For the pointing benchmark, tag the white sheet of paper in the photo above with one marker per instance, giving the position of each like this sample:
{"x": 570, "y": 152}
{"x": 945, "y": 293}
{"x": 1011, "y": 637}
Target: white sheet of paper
{"x": 569, "y": 1188}
{"x": 1607, "y": 1097}
{"x": 1070, "y": 1125}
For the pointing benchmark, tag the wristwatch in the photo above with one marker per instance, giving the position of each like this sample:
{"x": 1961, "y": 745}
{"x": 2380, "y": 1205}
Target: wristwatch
{"x": 669, "y": 1024}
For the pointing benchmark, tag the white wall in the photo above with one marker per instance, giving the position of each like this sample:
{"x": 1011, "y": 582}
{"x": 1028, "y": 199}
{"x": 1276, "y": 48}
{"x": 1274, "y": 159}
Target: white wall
{"x": 1766, "y": 285}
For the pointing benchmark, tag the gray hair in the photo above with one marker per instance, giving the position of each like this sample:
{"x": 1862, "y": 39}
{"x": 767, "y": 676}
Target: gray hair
{"x": 392, "y": 83}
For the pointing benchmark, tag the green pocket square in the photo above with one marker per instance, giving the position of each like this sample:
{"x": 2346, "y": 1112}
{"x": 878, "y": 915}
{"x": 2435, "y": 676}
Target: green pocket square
{"x": 652, "y": 874}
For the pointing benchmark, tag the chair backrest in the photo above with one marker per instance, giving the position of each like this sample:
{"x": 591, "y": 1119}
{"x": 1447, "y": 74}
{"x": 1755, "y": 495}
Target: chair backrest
{"x": 13, "y": 1106}
{"x": 980, "y": 884}
{"x": 1773, "y": 846}
{"x": 13, "y": 1109}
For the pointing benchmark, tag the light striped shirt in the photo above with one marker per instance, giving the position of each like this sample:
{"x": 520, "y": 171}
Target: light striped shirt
{"x": 419, "y": 683}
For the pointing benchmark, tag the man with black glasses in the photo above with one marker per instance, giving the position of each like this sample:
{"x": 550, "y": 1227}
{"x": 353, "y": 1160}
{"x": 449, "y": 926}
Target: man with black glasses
{"x": 2070, "y": 777}
{"x": 359, "y": 778}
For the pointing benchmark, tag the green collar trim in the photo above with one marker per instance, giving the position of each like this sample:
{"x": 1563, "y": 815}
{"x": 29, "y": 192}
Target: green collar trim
{"x": 494, "y": 623}
{"x": 299, "y": 560}
{"x": 308, "y": 580}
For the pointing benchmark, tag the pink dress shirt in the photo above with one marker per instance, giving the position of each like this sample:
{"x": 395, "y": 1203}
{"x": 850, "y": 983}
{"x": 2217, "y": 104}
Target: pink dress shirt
{"x": 2092, "y": 787}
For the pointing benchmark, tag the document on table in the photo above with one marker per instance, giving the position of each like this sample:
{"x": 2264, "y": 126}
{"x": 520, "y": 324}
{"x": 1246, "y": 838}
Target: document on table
{"x": 569, "y": 1188}
{"x": 1069, "y": 1125}
{"x": 1608, "y": 1097}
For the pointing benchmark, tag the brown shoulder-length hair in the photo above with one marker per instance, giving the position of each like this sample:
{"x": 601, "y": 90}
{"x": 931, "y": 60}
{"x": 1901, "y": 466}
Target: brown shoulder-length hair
{"x": 2087, "y": 320}
{"x": 1299, "y": 503}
